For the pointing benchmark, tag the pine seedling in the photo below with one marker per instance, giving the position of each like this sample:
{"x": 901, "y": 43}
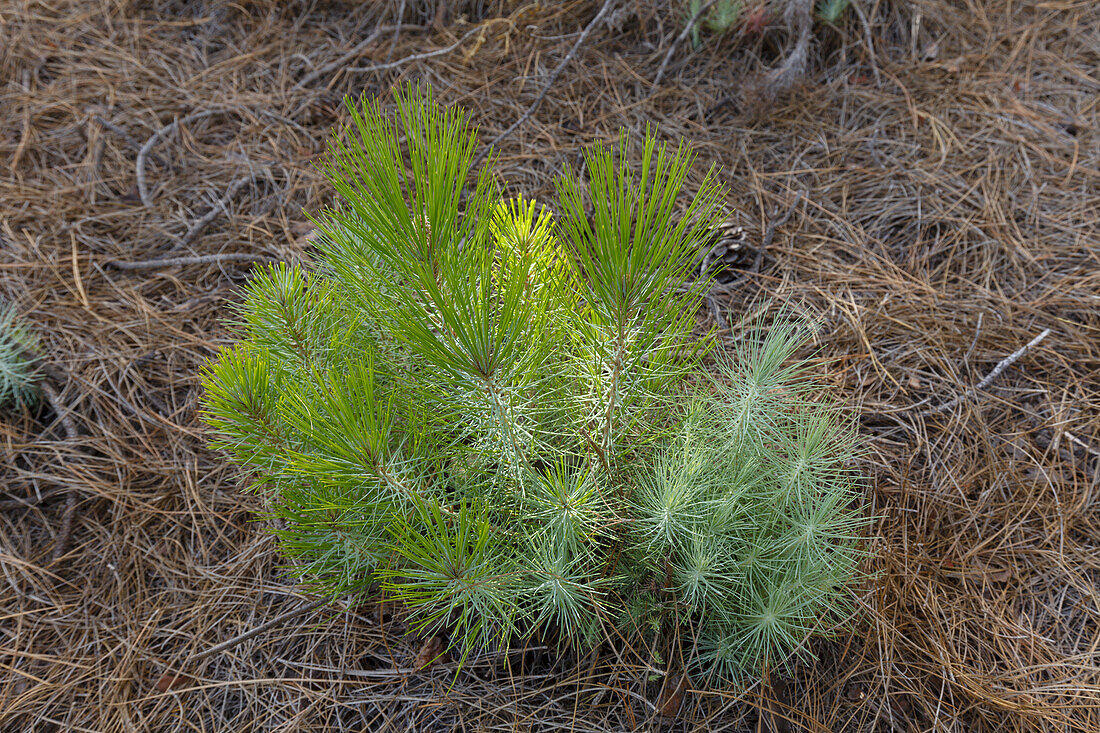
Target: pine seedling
{"x": 19, "y": 373}
{"x": 484, "y": 408}
{"x": 831, "y": 10}
{"x": 719, "y": 18}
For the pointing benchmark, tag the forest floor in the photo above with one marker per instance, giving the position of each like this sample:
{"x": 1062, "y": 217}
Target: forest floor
{"x": 929, "y": 191}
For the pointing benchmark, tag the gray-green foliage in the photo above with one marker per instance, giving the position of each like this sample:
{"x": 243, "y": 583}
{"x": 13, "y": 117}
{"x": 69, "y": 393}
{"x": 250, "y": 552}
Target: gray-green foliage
{"x": 718, "y": 18}
{"x": 498, "y": 415}
{"x": 831, "y": 10}
{"x": 18, "y": 348}
{"x": 724, "y": 14}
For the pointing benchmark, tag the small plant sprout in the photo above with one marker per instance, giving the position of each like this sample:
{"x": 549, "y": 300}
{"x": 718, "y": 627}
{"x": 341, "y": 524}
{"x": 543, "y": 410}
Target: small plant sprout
{"x": 19, "y": 374}
{"x": 719, "y": 17}
{"x": 499, "y": 413}
{"x": 831, "y": 10}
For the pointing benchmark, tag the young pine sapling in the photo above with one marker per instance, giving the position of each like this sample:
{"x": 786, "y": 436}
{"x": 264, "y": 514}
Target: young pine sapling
{"x": 498, "y": 414}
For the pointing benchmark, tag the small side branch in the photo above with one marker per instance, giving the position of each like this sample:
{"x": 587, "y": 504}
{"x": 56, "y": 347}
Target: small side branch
{"x": 988, "y": 379}
{"x": 196, "y": 260}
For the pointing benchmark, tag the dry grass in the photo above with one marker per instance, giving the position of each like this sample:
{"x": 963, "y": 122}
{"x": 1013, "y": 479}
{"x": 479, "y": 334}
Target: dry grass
{"x": 952, "y": 184}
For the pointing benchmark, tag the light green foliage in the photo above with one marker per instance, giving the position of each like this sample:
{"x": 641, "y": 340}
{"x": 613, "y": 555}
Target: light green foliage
{"x": 831, "y": 10}
{"x": 18, "y": 348}
{"x": 498, "y": 416}
{"x": 719, "y": 18}
{"x": 724, "y": 14}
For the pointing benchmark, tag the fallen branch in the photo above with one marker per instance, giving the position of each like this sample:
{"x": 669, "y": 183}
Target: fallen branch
{"x": 550, "y": 80}
{"x": 196, "y": 260}
{"x": 997, "y": 370}
{"x": 680, "y": 39}
{"x": 241, "y": 638}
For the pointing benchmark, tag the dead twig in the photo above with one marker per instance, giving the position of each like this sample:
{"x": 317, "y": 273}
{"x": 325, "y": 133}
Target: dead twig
{"x": 549, "y": 81}
{"x": 52, "y": 393}
{"x": 25, "y": 136}
{"x": 28, "y": 502}
{"x": 241, "y": 638}
{"x": 196, "y": 260}
{"x": 67, "y": 514}
{"x": 353, "y": 52}
{"x": 1077, "y": 441}
{"x": 769, "y": 232}
{"x": 1005, "y": 363}
{"x": 143, "y": 153}
{"x": 419, "y": 56}
{"x": 678, "y": 40}
{"x": 868, "y": 40}
{"x": 396, "y": 30}
{"x": 132, "y": 142}
{"x": 218, "y": 208}
{"x": 125, "y": 136}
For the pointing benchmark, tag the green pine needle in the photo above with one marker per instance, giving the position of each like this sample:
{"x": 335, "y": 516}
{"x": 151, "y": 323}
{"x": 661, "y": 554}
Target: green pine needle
{"x": 496, "y": 412}
{"x": 19, "y": 374}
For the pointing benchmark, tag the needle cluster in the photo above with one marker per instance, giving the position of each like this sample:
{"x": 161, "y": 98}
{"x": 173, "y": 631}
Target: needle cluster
{"x": 19, "y": 375}
{"x": 492, "y": 412}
